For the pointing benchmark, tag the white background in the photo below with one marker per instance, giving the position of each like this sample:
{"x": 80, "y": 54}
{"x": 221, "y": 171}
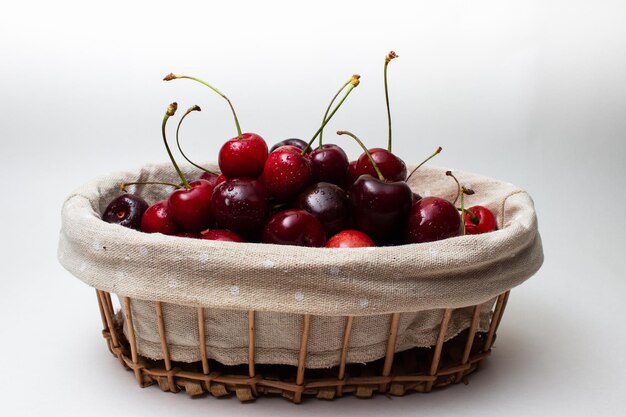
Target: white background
{"x": 531, "y": 92}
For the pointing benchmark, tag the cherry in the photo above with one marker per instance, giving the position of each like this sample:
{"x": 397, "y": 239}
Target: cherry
{"x": 329, "y": 203}
{"x": 240, "y": 205}
{"x": 287, "y": 172}
{"x": 350, "y": 239}
{"x": 189, "y": 235}
{"x": 416, "y": 197}
{"x": 211, "y": 177}
{"x": 485, "y": 221}
{"x": 298, "y": 143}
{"x": 432, "y": 218}
{"x": 392, "y": 167}
{"x": 330, "y": 164}
{"x": 294, "y": 227}
{"x": 241, "y": 156}
{"x": 158, "y": 219}
{"x": 351, "y": 174}
{"x": 222, "y": 234}
{"x": 379, "y": 207}
{"x": 126, "y": 210}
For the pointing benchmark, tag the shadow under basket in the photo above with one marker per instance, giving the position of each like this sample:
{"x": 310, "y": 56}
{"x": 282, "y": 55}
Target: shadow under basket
{"x": 417, "y": 369}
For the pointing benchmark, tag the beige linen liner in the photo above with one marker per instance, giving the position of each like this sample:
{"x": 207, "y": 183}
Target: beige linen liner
{"x": 283, "y": 282}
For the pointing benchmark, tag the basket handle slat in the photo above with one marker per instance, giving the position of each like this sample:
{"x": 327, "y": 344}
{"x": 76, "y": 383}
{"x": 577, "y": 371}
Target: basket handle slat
{"x": 495, "y": 320}
{"x": 304, "y": 340}
{"x": 470, "y": 339}
{"x": 344, "y": 352}
{"x": 133, "y": 341}
{"x": 434, "y": 365}
{"x": 164, "y": 348}
{"x": 108, "y": 315}
{"x": 202, "y": 341}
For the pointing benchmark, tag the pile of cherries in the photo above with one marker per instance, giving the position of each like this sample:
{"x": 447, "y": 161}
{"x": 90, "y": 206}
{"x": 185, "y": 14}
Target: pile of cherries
{"x": 298, "y": 193}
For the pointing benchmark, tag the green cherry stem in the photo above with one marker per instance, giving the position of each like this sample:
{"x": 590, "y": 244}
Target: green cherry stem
{"x": 367, "y": 152}
{"x": 464, "y": 192}
{"x": 391, "y": 55}
{"x": 458, "y": 185}
{"x": 193, "y": 108}
{"x": 330, "y": 105}
{"x": 126, "y": 184}
{"x": 354, "y": 82}
{"x": 171, "y": 110}
{"x": 439, "y": 149}
{"x": 472, "y": 216}
{"x": 171, "y": 76}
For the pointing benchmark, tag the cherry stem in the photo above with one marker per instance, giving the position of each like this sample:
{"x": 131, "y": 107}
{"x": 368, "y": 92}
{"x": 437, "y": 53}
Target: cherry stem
{"x": 439, "y": 149}
{"x": 193, "y": 108}
{"x": 391, "y": 55}
{"x": 458, "y": 184}
{"x": 472, "y": 216}
{"x": 329, "y": 106}
{"x": 171, "y": 76}
{"x": 353, "y": 83}
{"x": 126, "y": 184}
{"x": 367, "y": 152}
{"x": 171, "y": 109}
{"x": 462, "y": 210}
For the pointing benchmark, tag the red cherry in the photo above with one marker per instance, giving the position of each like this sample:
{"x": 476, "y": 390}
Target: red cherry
{"x": 351, "y": 175}
{"x": 392, "y": 167}
{"x": 240, "y": 205}
{"x": 287, "y": 173}
{"x": 432, "y": 218}
{"x": 223, "y": 235}
{"x": 243, "y": 157}
{"x": 298, "y": 143}
{"x": 486, "y": 221}
{"x": 294, "y": 227}
{"x": 158, "y": 219}
{"x": 350, "y": 239}
{"x": 330, "y": 164}
{"x": 210, "y": 177}
{"x": 191, "y": 208}
{"x": 220, "y": 179}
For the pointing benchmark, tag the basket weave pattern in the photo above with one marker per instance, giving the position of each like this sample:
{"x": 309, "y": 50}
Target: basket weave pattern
{"x": 415, "y": 370}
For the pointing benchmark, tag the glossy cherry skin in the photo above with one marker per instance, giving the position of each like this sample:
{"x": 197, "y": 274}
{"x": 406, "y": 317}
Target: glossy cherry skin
{"x": 211, "y": 178}
{"x": 158, "y": 219}
{"x": 126, "y": 210}
{"x": 240, "y": 205}
{"x": 330, "y": 164}
{"x": 191, "y": 209}
{"x": 294, "y": 227}
{"x": 243, "y": 157}
{"x": 287, "y": 173}
{"x": 350, "y": 239}
{"x": 329, "y": 203}
{"x": 351, "y": 175}
{"x": 298, "y": 143}
{"x": 380, "y": 208}
{"x": 223, "y": 235}
{"x": 392, "y": 167}
{"x": 432, "y": 218}
{"x": 486, "y": 221}
{"x": 416, "y": 197}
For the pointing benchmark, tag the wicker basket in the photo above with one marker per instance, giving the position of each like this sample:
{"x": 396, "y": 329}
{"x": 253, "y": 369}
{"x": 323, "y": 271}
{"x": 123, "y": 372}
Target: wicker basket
{"x": 462, "y": 325}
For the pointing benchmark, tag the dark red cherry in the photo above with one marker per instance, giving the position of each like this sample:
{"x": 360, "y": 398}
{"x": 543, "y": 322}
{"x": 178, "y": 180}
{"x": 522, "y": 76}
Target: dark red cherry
{"x": 298, "y": 143}
{"x": 380, "y": 208}
{"x": 240, "y": 205}
{"x": 351, "y": 174}
{"x": 350, "y": 239}
{"x": 329, "y": 203}
{"x": 189, "y": 235}
{"x": 223, "y": 235}
{"x": 126, "y": 210}
{"x": 330, "y": 164}
{"x": 392, "y": 167}
{"x": 210, "y": 177}
{"x": 432, "y": 218}
{"x": 486, "y": 221}
{"x": 191, "y": 208}
{"x": 243, "y": 157}
{"x": 158, "y": 219}
{"x": 287, "y": 173}
{"x": 294, "y": 227}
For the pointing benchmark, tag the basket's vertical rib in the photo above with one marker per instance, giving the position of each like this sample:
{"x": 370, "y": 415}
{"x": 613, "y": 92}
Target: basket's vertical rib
{"x": 470, "y": 339}
{"x": 251, "y": 367}
{"x": 344, "y": 352}
{"x": 202, "y": 341}
{"x": 164, "y": 349}
{"x": 109, "y": 319}
{"x": 494, "y": 322}
{"x": 391, "y": 348}
{"x": 109, "y": 303}
{"x": 506, "y": 300}
{"x": 304, "y": 340}
{"x": 101, "y": 308}
{"x": 434, "y": 365}
{"x": 131, "y": 338}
